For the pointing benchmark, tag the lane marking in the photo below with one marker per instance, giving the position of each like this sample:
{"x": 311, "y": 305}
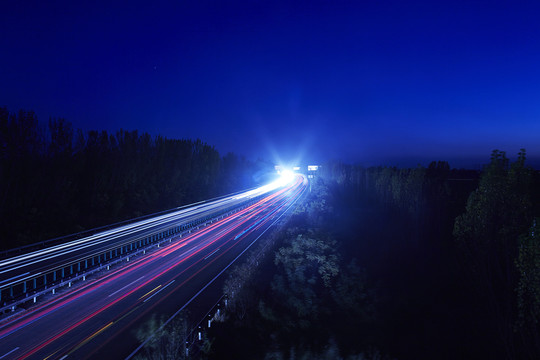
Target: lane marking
{"x": 212, "y": 254}
{"x": 131, "y": 283}
{"x": 51, "y": 355}
{"x": 88, "y": 339}
{"x": 163, "y": 288}
{"x": 6, "y": 354}
{"x": 134, "y": 352}
{"x": 151, "y": 291}
{"x": 128, "y": 313}
{"x": 147, "y": 294}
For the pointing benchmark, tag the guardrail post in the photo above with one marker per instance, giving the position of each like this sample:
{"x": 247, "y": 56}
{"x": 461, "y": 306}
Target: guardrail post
{"x": 54, "y": 275}
{"x": 24, "y": 287}
{"x": 62, "y": 273}
{"x": 45, "y": 279}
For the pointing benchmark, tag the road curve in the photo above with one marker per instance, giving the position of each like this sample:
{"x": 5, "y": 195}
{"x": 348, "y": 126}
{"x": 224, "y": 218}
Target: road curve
{"x": 31, "y": 273}
{"x": 99, "y": 316}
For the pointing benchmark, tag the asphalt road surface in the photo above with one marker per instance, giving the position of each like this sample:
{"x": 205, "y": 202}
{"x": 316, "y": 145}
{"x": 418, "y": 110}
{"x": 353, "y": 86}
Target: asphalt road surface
{"x": 98, "y": 319}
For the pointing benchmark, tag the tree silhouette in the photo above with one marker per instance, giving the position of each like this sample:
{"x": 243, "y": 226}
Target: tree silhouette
{"x": 496, "y": 214}
{"x": 56, "y": 180}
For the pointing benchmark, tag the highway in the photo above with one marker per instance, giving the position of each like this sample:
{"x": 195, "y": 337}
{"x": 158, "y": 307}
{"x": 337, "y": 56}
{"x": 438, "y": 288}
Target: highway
{"x": 15, "y": 269}
{"x": 98, "y": 317}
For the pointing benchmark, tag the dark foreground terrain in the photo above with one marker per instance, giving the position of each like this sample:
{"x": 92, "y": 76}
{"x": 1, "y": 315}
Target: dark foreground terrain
{"x": 396, "y": 263}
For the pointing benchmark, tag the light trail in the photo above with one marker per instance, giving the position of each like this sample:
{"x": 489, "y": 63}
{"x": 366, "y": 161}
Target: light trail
{"x": 128, "y": 285}
{"x": 183, "y": 259}
{"x": 51, "y": 253}
{"x": 160, "y": 290}
{"x": 9, "y": 352}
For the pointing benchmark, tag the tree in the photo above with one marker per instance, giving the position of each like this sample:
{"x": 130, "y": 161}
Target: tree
{"x": 306, "y": 267}
{"x": 72, "y": 180}
{"x": 496, "y": 214}
{"x": 528, "y": 290}
{"x": 163, "y": 342}
{"x": 61, "y": 133}
{"x": 352, "y": 294}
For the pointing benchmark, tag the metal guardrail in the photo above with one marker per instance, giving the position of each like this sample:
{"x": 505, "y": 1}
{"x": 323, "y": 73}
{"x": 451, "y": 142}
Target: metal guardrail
{"x": 69, "y": 281}
{"x": 66, "y": 238}
{"x": 25, "y": 296}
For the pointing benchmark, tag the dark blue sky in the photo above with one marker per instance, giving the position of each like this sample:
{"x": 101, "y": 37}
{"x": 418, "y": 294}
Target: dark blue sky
{"x": 361, "y": 81}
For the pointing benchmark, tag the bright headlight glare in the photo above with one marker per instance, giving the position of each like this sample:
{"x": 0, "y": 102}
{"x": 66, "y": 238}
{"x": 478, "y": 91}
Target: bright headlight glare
{"x": 287, "y": 176}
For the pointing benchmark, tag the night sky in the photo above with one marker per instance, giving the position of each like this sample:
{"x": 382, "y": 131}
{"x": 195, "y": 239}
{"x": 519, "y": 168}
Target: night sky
{"x": 393, "y": 82}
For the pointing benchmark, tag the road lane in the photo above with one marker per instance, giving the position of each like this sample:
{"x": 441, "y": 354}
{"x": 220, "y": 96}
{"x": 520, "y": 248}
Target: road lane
{"x": 88, "y": 317}
{"x": 64, "y": 254}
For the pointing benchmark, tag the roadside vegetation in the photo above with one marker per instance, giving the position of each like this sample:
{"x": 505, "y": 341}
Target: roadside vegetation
{"x": 56, "y": 180}
{"x": 374, "y": 263}
{"x": 304, "y": 299}
{"x": 397, "y": 263}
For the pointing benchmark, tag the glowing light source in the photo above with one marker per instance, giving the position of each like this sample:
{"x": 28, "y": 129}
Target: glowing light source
{"x": 287, "y": 176}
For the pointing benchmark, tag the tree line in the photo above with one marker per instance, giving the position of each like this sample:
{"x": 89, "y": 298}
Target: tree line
{"x": 387, "y": 262}
{"x": 57, "y": 180}
{"x": 481, "y": 225}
